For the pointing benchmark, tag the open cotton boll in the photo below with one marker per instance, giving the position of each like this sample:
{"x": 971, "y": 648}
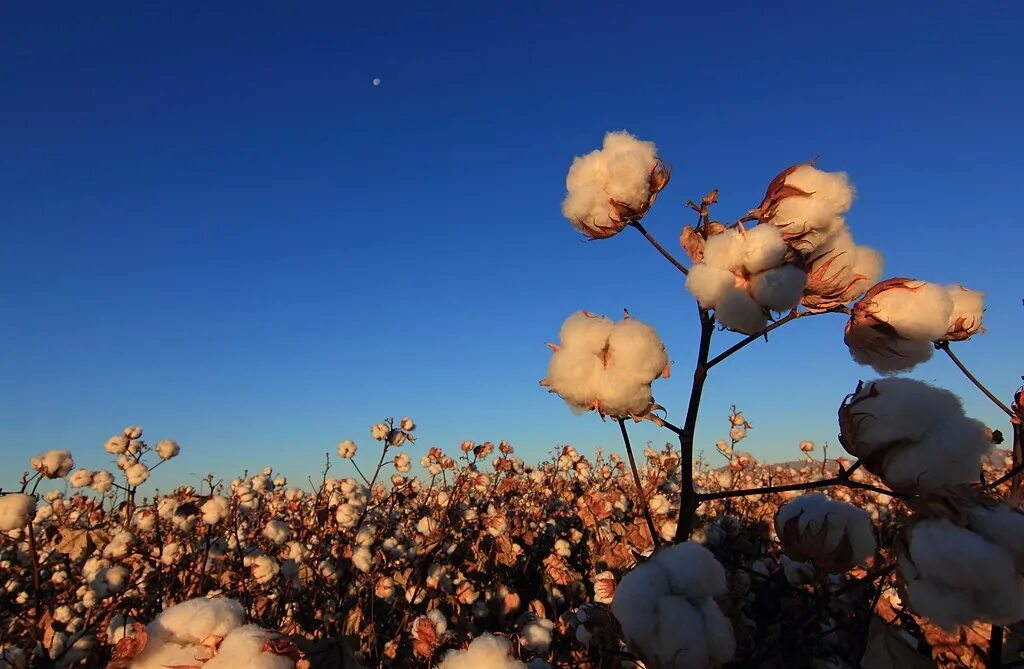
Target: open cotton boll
{"x": 575, "y": 374}
{"x": 215, "y": 509}
{"x": 779, "y": 289}
{"x": 948, "y": 454}
{"x": 763, "y": 248}
{"x": 15, "y": 510}
{"x": 708, "y": 284}
{"x": 725, "y": 250}
{"x": 80, "y": 478}
{"x": 244, "y": 647}
{"x": 738, "y": 311}
{"x": 965, "y": 317}
{"x": 1003, "y": 525}
{"x": 485, "y": 651}
{"x": 807, "y": 204}
{"x": 102, "y": 481}
{"x": 621, "y": 171}
{"x": 667, "y": 612}
{"x": 834, "y": 535}
{"x": 586, "y": 331}
{"x": 899, "y": 355}
{"x": 956, "y": 577}
{"x": 536, "y": 634}
{"x": 891, "y": 410}
{"x": 53, "y": 464}
{"x": 867, "y": 269}
{"x": 193, "y": 620}
{"x": 277, "y": 531}
{"x": 136, "y": 474}
{"x": 167, "y": 449}
{"x": 636, "y": 347}
{"x": 917, "y": 310}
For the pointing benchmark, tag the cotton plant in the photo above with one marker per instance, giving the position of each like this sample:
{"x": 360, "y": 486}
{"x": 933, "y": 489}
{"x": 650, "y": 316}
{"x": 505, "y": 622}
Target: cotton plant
{"x": 832, "y": 535}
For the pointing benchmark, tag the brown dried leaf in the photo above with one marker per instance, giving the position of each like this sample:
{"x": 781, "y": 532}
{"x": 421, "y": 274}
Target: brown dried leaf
{"x": 129, "y": 647}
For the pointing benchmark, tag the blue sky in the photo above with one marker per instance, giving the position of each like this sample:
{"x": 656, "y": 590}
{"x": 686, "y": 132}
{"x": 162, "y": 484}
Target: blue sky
{"x": 215, "y": 226}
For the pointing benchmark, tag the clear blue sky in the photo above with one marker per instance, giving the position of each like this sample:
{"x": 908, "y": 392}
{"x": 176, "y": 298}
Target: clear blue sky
{"x": 215, "y": 226}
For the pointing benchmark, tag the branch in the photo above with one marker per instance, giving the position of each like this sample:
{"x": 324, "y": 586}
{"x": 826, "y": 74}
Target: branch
{"x": 791, "y": 316}
{"x": 639, "y": 487}
{"x": 661, "y": 249}
{"x": 842, "y": 479}
{"x": 944, "y": 346}
{"x": 688, "y": 498}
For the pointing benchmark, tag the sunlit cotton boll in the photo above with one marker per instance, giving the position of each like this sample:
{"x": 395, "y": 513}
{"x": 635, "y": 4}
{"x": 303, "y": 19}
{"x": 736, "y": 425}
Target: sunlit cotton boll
{"x": 968, "y": 309}
{"x": 264, "y": 568}
{"x": 215, "y": 509}
{"x": 102, "y": 481}
{"x": 80, "y": 478}
{"x": 247, "y": 646}
{"x": 806, "y": 204}
{"x": 347, "y": 449}
{"x": 779, "y": 289}
{"x": 136, "y": 474}
{"x": 536, "y": 634}
{"x": 624, "y": 171}
{"x": 667, "y": 612}
{"x": 277, "y": 531}
{"x": 709, "y": 284}
{"x": 403, "y": 462}
{"x": 15, "y": 510}
{"x": 763, "y": 248}
{"x": 167, "y": 449}
{"x": 484, "y": 651}
{"x": 738, "y": 311}
{"x": 116, "y": 445}
{"x": 53, "y": 464}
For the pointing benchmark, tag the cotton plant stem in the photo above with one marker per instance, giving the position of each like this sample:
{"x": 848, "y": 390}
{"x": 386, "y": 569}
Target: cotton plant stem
{"x": 661, "y": 249}
{"x": 840, "y": 480}
{"x": 688, "y": 498}
{"x": 995, "y": 647}
{"x": 655, "y": 538}
{"x": 749, "y": 339}
{"x": 944, "y": 346}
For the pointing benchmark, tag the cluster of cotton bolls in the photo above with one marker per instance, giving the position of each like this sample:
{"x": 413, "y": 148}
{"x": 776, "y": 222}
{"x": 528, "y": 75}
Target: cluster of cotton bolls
{"x": 808, "y": 205}
{"x": 968, "y": 568}
{"x": 486, "y": 650}
{"x": 667, "y": 610}
{"x": 609, "y": 187}
{"x": 744, "y": 276}
{"x": 606, "y": 366}
{"x": 833, "y": 535}
{"x": 53, "y": 464}
{"x": 893, "y": 327}
{"x": 912, "y": 435}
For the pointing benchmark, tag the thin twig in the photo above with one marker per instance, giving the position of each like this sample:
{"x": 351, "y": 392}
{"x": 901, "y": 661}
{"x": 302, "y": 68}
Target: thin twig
{"x": 661, "y": 249}
{"x": 791, "y": 316}
{"x": 639, "y": 486}
{"x": 944, "y": 346}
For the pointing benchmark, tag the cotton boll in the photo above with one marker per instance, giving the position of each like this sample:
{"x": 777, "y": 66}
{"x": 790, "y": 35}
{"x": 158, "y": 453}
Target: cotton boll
{"x": 780, "y": 289}
{"x": 15, "y": 510}
{"x": 136, "y": 474}
{"x": 244, "y": 647}
{"x": 362, "y": 559}
{"x": 102, "y": 481}
{"x": 264, "y": 568}
{"x": 708, "y": 284}
{"x": 535, "y": 635}
{"x": 167, "y": 449}
{"x": 1002, "y": 525}
{"x": 726, "y": 250}
{"x": 53, "y": 464}
{"x": 485, "y": 651}
{"x": 807, "y": 204}
{"x": 894, "y": 356}
{"x": 277, "y": 531}
{"x": 717, "y": 631}
{"x": 834, "y": 535}
{"x": 738, "y": 311}
{"x": 635, "y": 346}
{"x": 586, "y": 331}
{"x": 192, "y": 621}
{"x": 346, "y": 449}
{"x": 763, "y": 248}
{"x": 917, "y": 310}
{"x": 116, "y": 445}
{"x": 948, "y": 454}
{"x": 215, "y": 509}
{"x": 867, "y": 269}
{"x": 81, "y": 478}
{"x": 965, "y": 317}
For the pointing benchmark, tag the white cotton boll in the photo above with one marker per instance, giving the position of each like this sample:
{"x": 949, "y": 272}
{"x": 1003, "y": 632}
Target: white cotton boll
{"x": 102, "y": 481}
{"x": 53, "y": 464}
{"x": 637, "y": 347}
{"x": 119, "y": 545}
{"x": 484, "y": 652}
{"x": 1002, "y": 525}
{"x": 718, "y": 632}
{"x": 163, "y": 655}
{"x": 215, "y": 509}
{"x": 536, "y": 635}
{"x": 920, "y": 312}
{"x": 900, "y": 355}
{"x": 763, "y": 248}
{"x": 738, "y": 311}
{"x": 954, "y": 576}
{"x": 403, "y": 463}
{"x": 80, "y": 478}
{"x": 808, "y": 219}
{"x": 586, "y": 331}
{"x": 621, "y": 393}
{"x": 170, "y": 553}
{"x": 243, "y": 647}
{"x": 834, "y": 535}
{"x": 15, "y": 510}
{"x": 780, "y": 289}
{"x": 264, "y": 568}
{"x": 193, "y": 620}
{"x": 362, "y": 558}
{"x": 277, "y": 531}
{"x": 167, "y": 449}
{"x": 680, "y": 642}
{"x": 708, "y": 284}
{"x": 897, "y": 409}
{"x": 347, "y": 449}
{"x": 726, "y": 250}
{"x": 948, "y": 454}
{"x": 692, "y": 569}
{"x": 136, "y": 474}
{"x": 866, "y": 270}
{"x": 116, "y": 445}
{"x": 968, "y": 308}
{"x": 575, "y": 374}
{"x": 115, "y": 579}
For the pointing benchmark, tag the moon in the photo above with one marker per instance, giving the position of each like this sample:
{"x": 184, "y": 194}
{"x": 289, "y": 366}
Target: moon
{"x": 376, "y": 81}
